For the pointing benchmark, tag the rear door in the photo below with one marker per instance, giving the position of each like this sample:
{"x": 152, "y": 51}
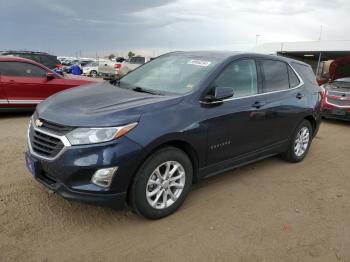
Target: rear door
{"x": 283, "y": 99}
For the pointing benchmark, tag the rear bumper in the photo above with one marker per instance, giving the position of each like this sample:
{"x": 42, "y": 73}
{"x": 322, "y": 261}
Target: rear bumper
{"x": 329, "y": 113}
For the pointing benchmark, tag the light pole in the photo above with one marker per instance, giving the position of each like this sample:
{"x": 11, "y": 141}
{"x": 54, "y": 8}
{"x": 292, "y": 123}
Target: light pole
{"x": 256, "y": 39}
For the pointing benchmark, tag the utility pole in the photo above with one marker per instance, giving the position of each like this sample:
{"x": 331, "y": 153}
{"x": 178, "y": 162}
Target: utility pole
{"x": 320, "y": 36}
{"x": 256, "y": 39}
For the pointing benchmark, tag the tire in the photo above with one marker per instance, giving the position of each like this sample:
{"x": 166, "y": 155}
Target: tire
{"x": 151, "y": 182}
{"x": 298, "y": 148}
{"x": 93, "y": 73}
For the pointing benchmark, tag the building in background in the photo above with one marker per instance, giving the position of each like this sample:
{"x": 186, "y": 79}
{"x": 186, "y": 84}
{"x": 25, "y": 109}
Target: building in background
{"x": 312, "y": 52}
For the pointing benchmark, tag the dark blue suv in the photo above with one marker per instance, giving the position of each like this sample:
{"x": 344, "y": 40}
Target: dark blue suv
{"x": 176, "y": 120}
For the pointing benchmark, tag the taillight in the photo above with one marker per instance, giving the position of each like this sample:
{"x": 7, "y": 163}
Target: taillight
{"x": 322, "y": 92}
{"x": 117, "y": 66}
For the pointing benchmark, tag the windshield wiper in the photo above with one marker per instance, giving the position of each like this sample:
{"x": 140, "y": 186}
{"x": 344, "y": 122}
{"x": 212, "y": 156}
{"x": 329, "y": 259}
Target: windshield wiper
{"x": 142, "y": 90}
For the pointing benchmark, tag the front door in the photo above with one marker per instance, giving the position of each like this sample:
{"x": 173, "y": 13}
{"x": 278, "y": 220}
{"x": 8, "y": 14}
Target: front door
{"x": 3, "y": 98}
{"x": 236, "y": 126}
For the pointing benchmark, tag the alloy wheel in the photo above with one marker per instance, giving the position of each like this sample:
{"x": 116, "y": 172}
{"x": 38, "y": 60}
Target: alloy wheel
{"x": 165, "y": 184}
{"x": 301, "y": 142}
{"x": 93, "y": 74}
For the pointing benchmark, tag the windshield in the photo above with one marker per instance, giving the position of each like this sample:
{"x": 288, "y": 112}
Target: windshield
{"x": 345, "y": 79}
{"x": 173, "y": 73}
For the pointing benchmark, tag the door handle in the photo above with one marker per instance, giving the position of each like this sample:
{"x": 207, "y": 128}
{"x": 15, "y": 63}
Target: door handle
{"x": 259, "y": 104}
{"x": 12, "y": 82}
{"x": 300, "y": 95}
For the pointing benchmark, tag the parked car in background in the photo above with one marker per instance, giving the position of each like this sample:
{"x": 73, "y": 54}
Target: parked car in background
{"x": 25, "y": 83}
{"x": 178, "y": 119}
{"x": 131, "y": 64}
{"x": 78, "y": 62}
{"x": 336, "y": 90}
{"x": 68, "y": 62}
{"x": 108, "y": 69}
{"x": 50, "y": 61}
{"x": 91, "y": 69}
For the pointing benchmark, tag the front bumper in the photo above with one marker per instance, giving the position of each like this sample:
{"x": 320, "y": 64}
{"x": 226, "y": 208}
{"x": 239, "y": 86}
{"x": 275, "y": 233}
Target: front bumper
{"x": 70, "y": 173}
{"x": 115, "y": 200}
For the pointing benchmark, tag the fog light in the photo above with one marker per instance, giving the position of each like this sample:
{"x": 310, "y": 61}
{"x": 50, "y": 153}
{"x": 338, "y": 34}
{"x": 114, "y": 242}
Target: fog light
{"x": 103, "y": 177}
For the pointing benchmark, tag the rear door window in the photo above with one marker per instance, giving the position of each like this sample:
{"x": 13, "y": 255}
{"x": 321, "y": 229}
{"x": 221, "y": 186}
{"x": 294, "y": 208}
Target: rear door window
{"x": 21, "y": 69}
{"x": 275, "y": 75}
{"x": 306, "y": 73}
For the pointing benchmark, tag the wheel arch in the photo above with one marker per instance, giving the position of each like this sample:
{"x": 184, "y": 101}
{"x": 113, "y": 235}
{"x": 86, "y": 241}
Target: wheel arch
{"x": 180, "y": 144}
{"x": 313, "y": 122}
{"x": 184, "y": 146}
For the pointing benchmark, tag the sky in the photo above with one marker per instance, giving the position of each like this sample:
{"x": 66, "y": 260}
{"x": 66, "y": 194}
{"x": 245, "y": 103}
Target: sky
{"x": 88, "y": 27}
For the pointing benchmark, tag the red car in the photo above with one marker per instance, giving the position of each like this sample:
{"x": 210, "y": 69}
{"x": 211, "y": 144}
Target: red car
{"x": 25, "y": 83}
{"x": 336, "y": 93}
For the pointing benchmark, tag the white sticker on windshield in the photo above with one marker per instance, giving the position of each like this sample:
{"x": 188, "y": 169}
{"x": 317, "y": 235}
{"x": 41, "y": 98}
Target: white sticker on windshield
{"x": 198, "y": 62}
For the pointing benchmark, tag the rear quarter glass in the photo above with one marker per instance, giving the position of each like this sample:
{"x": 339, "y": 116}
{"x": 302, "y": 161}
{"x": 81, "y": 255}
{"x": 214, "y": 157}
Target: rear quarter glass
{"x": 306, "y": 74}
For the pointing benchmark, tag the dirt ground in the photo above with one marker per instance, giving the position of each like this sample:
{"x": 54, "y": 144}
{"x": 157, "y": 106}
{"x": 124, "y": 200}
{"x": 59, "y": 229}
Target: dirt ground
{"x": 267, "y": 211}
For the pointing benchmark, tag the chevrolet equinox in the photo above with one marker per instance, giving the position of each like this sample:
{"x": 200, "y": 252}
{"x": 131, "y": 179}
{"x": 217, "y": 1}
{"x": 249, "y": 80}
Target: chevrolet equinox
{"x": 175, "y": 120}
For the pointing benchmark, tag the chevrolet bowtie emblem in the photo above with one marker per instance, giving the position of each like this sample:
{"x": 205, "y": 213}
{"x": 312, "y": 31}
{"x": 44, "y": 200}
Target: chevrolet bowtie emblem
{"x": 38, "y": 123}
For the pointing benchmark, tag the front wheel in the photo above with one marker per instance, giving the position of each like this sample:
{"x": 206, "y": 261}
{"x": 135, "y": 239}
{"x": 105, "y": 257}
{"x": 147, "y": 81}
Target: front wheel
{"x": 162, "y": 183}
{"x": 300, "y": 143}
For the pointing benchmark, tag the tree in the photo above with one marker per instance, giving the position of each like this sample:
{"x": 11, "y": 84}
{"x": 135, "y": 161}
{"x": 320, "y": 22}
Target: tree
{"x": 131, "y": 54}
{"x": 111, "y": 56}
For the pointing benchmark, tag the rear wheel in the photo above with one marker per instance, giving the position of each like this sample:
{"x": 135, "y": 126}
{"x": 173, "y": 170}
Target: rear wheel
{"x": 300, "y": 143}
{"x": 93, "y": 73}
{"x": 162, "y": 183}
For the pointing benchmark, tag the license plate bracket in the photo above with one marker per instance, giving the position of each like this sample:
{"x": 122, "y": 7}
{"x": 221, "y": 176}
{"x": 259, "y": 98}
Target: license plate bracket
{"x": 339, "y": 111}
{"x": 30, "y": 163}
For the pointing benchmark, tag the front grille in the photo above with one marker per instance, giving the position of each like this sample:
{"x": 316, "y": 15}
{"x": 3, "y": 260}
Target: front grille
{"x": 44, "y": 144}
{"x": 54, "y": 128}
{"x": 338, "y": 102}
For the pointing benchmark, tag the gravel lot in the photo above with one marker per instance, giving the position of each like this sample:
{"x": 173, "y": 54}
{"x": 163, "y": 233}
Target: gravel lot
{"x": 268, "y": 211}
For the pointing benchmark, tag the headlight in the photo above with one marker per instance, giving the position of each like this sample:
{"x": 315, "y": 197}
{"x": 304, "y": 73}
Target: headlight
{"x": 83, "y": 136}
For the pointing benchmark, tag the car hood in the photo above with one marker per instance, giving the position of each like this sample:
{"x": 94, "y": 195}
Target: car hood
{"x": 100, "y": 104}
{"x": 340, "y": 68}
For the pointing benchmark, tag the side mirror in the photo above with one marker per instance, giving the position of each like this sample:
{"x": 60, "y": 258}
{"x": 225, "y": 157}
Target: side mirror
{"x": 223, "y": 92}
{"x": 50, "y": 75}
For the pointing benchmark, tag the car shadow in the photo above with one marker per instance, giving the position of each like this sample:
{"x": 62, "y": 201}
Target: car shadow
{"x": 16, "y": 114}
{"x": 336, "y": 121}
